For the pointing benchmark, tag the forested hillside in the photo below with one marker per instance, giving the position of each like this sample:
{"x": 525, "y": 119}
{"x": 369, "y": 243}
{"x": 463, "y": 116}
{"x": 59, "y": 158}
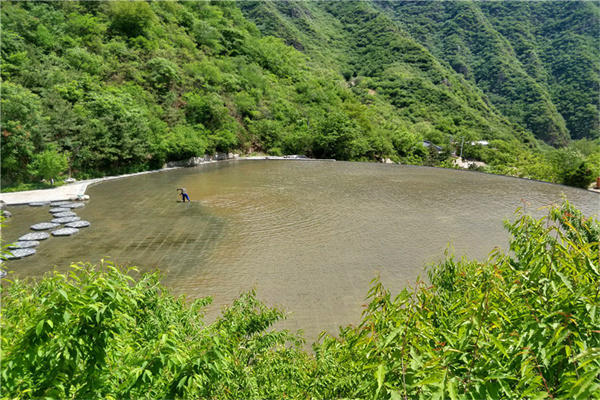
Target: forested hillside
{"x": 538, "y": 61}
{"x": 109, "y": 87}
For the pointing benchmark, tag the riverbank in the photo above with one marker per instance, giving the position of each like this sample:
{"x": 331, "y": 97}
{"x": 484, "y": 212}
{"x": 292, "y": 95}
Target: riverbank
{"x": 72, "y": 191}
{"x": 75, "y": 190}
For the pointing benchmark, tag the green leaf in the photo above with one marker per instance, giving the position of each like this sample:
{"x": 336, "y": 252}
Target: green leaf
{"x": 452, "y": 392}
{"x": 380, "y": 375}
{"x": 395, "y": 395}
{"x": 39, "y": 327}
{"x": 63, "y": 294}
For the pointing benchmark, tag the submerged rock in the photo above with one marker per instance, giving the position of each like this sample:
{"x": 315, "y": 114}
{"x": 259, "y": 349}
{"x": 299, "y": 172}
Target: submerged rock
{"x": 59, "y": 209}
{"x": 65, "y": 214}
{"x": 73, "y": 205}
{"x": 59, "y": 203}
{"x": 65, "y": 220}
{"x": 19, "y": 253}
{"x": 34, "y": 236}
{"x": 24, "y": 244}
{"x": 65, "y": 232}
{"x": 42, "y": 226}
{"x": 78, "y": 224}
{"x": 39, "y": 203}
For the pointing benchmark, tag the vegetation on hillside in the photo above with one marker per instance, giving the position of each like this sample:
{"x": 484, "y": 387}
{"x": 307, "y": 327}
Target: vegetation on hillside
{"x": 125, "y": 86}
{"x": 518, "y": 325}
{"x": 408, "y": 52}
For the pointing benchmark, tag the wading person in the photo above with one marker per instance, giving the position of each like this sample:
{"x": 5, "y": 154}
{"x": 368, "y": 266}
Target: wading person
{"x": 184, "y": 195}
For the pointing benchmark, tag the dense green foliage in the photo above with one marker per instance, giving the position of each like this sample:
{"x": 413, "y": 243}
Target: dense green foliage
{"x": 523, "y": 325}
{"x": 126, "y": 86}
{"x": 446, "y": 65}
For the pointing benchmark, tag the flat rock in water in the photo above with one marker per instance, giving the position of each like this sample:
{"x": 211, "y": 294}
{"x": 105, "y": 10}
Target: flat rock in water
{"x": 65, "y": 232}
{"x": 73, "y": 205}
{"x": 42, "y": 226}
{"x": 25, "y": 244}
{"x": 34, "y": 236}
{"x": 39, "y": 203}
{"x": 20, "y": 253}
{"x": 65, "y": 220}
{"x": 77, "y": 224}
{"x": 65, "y": 214}
{"x": 59, "y": 203}
{"x": 59, "y": 209}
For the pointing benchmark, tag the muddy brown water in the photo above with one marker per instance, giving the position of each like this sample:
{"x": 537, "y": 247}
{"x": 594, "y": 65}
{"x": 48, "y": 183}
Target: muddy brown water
{"x": 308, "y": 236}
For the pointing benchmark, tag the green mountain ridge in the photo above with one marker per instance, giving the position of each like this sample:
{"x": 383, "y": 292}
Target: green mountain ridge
{"x": 126, "y": 86}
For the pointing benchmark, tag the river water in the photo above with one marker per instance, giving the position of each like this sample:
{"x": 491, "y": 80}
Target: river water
{"x": 308, "y": 236}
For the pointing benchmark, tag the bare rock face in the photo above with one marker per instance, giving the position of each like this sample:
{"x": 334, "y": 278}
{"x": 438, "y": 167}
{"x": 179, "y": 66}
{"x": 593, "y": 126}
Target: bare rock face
{"x": 65, "y": 220}
{"x": 39, "y": 203}
{"x": 59, "y": 209}
{"x": 42, "y": 226}
{"x": 65, "y": 232}
{"x": 26, "y": 244}
{"x": 19, "y": 253}
{"x": 78, "y": 224}
{"x": 65, "y": 214}
{"x": 34, "y": 236}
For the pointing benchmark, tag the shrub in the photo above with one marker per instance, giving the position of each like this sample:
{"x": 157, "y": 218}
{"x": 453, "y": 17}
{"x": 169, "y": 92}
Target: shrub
{"x": 519, "y": 325}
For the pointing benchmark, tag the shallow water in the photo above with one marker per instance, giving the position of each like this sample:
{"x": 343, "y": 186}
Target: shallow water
{"x": 308, "y": 236}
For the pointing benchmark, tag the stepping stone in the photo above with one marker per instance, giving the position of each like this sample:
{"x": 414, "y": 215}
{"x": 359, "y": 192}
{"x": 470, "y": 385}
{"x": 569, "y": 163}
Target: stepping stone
{"x": 77, "y": 224}
{"x": 73, "y": 205}
{"x": 25, "y": 244}
{"x": 19, "y": 253}
{"x": 39, "y": 203}
{"x": 65, "y": 232}
{"x": 65, "y": 214}
{"x": 42, "y": 226}
{"x": 59, "y": 203}
{"x": 65, "y": 220}
{"x": 59, "y": 209}
{"x": 34, "y": 236}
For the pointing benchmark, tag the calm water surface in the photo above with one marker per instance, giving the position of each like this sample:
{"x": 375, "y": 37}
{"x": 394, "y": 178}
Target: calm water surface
{"x": 308, "y": 236}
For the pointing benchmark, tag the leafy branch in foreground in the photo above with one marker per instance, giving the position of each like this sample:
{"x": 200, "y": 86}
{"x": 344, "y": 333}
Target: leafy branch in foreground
{"x": 519, "y": 325}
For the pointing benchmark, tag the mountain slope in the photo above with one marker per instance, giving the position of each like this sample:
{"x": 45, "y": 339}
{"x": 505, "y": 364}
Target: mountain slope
{"x": 537, "y": 61}
{"x": 126, "y": 86}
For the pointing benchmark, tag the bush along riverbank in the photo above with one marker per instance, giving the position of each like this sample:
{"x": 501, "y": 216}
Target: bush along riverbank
{"x": 519, "y": 325}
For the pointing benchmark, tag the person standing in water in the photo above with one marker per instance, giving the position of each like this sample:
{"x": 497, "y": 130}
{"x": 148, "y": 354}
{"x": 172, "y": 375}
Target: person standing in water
{"x": 184, "y": 195}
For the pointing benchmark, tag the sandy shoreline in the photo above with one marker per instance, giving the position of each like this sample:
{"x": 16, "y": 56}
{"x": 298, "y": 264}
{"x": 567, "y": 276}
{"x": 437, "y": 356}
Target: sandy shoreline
{"x": 71, "y": 191}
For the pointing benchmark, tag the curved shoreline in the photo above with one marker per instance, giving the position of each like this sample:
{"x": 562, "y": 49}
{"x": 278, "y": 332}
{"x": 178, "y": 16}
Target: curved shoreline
{"x": 71, "y": 191}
